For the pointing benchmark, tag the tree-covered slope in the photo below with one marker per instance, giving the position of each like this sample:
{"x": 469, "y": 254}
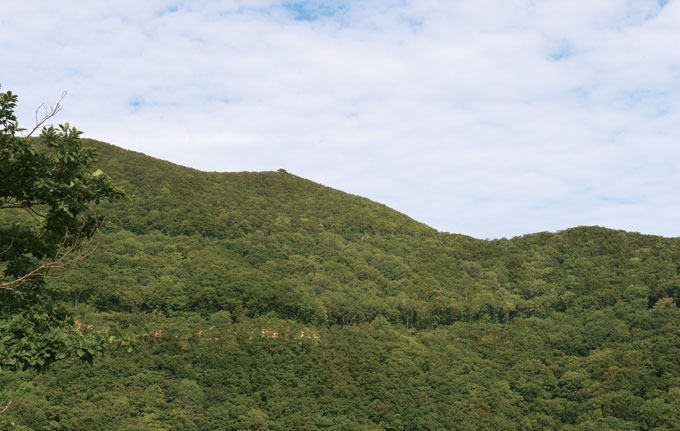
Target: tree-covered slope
{"x": 180, "y": 200}
{"x": 266, "y": 301}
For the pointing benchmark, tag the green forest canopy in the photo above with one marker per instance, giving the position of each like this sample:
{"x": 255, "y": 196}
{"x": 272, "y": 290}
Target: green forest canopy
{"x": 266, "y": 301}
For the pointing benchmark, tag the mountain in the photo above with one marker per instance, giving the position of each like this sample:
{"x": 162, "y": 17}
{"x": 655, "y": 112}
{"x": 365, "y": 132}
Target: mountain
{"x": 179, "y": 200}
{"x": 261, "y": 300}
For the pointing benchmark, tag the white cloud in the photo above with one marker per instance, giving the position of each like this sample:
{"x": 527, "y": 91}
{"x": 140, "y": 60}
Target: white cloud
{"x": 490, "y": 118}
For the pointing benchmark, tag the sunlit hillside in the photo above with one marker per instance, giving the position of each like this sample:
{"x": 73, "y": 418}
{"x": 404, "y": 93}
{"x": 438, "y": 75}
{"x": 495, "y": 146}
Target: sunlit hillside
{"x": 264, "y": 301}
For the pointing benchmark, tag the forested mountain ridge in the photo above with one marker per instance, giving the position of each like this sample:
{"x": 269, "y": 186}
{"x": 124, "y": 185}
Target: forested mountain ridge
{"x": 283, "y": 236}
{"x": 266, "y": 301}
{"x": 180, "y": 200}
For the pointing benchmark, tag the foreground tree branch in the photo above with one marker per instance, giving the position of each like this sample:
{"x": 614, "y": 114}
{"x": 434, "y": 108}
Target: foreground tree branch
{"x": 48, "y": 190}
{"x": 51, "y": 179}
{"x": 47, "y": 114}
{"x": 6, "y": 403}
{"x": 67, "y": 255}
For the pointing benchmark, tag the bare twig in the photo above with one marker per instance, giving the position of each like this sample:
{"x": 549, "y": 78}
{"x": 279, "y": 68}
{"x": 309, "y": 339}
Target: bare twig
{"x": 47, "y": 113}
{"x": 11, "y": 243}
{"x": 5, "y": 404}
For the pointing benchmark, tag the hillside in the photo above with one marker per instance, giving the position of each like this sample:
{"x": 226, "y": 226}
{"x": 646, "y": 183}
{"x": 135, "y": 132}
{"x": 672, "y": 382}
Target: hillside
{"x": 178, "y": 200}
{"x": 267, "y": 301}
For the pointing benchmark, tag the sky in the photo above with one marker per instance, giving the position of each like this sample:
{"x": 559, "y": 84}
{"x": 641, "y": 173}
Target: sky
{"x": 490, "y": 118}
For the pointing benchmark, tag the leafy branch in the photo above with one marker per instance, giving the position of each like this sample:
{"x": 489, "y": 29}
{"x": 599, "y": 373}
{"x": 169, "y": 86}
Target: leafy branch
{"x": 80, "y": 247}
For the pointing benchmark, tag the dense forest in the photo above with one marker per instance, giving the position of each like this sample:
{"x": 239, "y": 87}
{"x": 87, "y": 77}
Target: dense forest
{"x": 264, "y": 301}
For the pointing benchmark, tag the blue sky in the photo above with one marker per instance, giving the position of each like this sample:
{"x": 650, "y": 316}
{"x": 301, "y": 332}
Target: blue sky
{"x": 316, "y": 10}
{"x": 489, "y": 118}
